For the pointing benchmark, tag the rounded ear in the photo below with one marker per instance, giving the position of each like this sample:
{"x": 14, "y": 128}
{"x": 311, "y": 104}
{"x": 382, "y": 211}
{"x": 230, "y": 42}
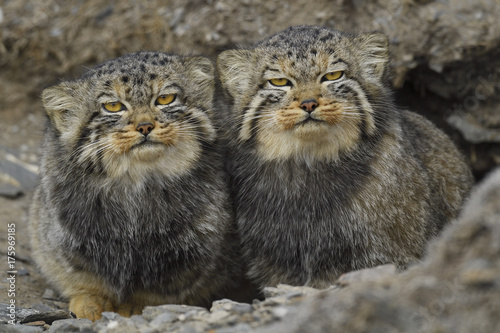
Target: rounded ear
{"x": 62, "y": 101}
{"x": 201, "y": 74}
{"x": 375, "y": 52}
{"x": 235, "y": 71}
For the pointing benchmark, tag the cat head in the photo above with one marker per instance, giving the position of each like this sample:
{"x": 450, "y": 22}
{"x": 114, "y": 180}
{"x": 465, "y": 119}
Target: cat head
{"x": 307, "y": 91}
{"x": 140, "y": 113}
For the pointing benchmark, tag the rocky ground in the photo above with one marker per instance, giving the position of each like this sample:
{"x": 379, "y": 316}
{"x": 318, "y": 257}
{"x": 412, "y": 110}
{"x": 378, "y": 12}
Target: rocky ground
{"x": 446, "y": 65}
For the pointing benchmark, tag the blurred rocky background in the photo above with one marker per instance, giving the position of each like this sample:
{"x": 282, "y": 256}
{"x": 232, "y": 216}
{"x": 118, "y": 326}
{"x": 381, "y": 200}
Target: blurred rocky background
{"x": 445, "y": 63}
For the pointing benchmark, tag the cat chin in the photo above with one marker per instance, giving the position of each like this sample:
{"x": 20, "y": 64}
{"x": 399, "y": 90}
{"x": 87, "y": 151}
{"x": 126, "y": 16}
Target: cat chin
{"x": 153, "y": 160}
{"x": 147, "y": 152}
{"x": 314, "y": 141}
{"x": 311, "y": 130}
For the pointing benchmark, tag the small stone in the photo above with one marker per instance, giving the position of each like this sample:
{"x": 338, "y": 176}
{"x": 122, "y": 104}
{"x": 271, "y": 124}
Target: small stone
{"x": 231, "y": 306}
{"x": 71, "y": 325}
{"x": 36, "y": 323}
{"x": 110, "y": 316}
{"x": 286, "y": 290}
{"x": 50, "y": 294}
{"x": 47, "y": 317}
{"x": 280, "y": 311}
{"x": 139, "y": 320}
{"x": 150, "y": 312}
{"x": 219, "y": 316}
{"x": 20, "y": 329}
{"x": 22, "y": 272}
{"x": 42, "y": 307}
{"x": 163, "y": 319}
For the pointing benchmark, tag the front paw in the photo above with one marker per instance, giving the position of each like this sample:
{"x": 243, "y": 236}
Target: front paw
{"x": 129, "y": 309}
{"x": 90, "y": 306}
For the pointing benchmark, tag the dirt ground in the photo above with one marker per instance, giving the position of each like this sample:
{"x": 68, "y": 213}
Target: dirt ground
{"x": 22, "y": 133}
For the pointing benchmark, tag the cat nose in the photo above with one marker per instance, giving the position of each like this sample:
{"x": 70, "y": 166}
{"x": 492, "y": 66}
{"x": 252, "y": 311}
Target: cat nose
{"x": 145, "y": 128}
{"x": 309, "y": 105}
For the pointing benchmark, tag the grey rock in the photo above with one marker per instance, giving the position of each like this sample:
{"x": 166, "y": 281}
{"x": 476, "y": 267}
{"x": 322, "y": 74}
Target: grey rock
{"x": 19, "y": 329}
{"x": 367, "y": 274}
{"x": 51, "y": 294}
{"x": 231, "y": 306}
{"x": 42, "y": 307}
{"x": 162, "y": 319}
{"x": 47, "y": 317}
{"x": 71, "y": 325}
{"x": 113, "y": 322}
{"x": 473, "y": 128}
{"x": 16, "y": 177}
{"x": 287, "y": 291}
{"x": 19, "y": 313}
{"x": 151, "y": 312}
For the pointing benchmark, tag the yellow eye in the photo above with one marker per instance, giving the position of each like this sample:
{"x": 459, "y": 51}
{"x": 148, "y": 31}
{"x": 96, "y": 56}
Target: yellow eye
{"x": 332, "y": 76}
{"x": 280, "y": 82}
{"x": 114, "y": 106}
{"x": 165, "y": 99}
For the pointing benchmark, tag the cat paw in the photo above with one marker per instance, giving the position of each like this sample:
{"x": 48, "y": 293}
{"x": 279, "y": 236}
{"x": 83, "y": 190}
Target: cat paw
{"x": 129, "y": 309}
{"x": 90, "y": 306}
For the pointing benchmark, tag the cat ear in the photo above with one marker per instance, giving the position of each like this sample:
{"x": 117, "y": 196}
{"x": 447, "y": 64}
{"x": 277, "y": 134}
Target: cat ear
{"x": 201, "y": 72}
{"x": 375, "y": 53}
{"x": 61, "y": 102}
{"x": 235, "y": 69}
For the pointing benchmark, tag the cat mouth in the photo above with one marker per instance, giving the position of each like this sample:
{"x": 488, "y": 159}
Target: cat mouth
{"x": 146, "y": 143}
{"x": 309, "y": 120}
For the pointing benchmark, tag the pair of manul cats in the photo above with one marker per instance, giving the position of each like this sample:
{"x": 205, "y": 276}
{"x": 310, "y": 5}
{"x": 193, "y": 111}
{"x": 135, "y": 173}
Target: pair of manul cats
{"x": 326, "y": 174}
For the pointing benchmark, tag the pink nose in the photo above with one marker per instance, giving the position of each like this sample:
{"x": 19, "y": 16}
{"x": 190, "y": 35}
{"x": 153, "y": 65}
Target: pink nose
{"x": 145, "y": 128}
{"x": 309, "y": 105}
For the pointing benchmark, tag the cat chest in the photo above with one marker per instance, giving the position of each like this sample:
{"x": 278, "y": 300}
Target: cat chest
{"x": 129, "y": 244}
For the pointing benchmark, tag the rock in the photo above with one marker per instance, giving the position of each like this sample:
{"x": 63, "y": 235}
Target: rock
{"x": 51, "y": 294}
{"x": 71, "y": 325}
{"x": 365, "y": 275}
{"x": 231, "y": 306}
{"x": 39, "y": 307}
{"x": 151, "y": 312}
{"x": 287, "y": 291}
{"x": 47, "y": 317}
{"x": 16, "y": 177}
{"x": 20, "y": 329}
{"x": 473, "y": 128}
{"x": 163, "y": 319}
{"x": 19, "y": 313}
{"x": 113, "y": 322}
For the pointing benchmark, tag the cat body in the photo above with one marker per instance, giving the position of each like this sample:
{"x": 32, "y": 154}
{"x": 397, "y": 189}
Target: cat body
{"x": 133, "y": 206}
{"x": 327, "y": 174}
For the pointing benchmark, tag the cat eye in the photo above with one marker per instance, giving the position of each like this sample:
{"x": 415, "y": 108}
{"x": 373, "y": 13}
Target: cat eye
{"x": 113, "y": 106}
{"x": 165, "y": 99}
{"x": 332, "y": 76}
{"x": 280, "y": 82}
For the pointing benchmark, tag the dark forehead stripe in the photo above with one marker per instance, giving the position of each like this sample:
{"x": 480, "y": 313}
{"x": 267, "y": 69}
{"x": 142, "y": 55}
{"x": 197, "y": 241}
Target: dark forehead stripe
{"x": 299, "y": 36}
{"x": 128, "y": 63}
